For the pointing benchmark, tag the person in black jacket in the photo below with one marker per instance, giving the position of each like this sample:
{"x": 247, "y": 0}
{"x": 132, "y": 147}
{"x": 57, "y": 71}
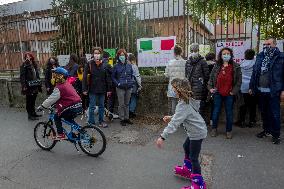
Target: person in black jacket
{"x": 197, "y": 73}
{"x": 31, "y": 84}
{"x": 52, "y": 63}
{"x": 96, "y": 81}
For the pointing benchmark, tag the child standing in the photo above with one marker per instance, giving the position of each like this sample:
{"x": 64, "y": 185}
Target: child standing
{"x": 186, "y": 113}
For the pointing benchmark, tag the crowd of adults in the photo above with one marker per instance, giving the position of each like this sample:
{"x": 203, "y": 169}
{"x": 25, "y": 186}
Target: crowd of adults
{"x": 256, "y": 81}
{"x": 96, "y": 81}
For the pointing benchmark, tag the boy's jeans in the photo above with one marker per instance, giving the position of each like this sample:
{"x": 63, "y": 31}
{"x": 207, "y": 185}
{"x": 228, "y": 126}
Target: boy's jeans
{"x": 94, "y": 98}
{"x": 67, "y": 115}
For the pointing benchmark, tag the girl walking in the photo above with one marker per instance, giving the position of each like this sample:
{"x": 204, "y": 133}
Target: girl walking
{"x": 186, "y": 113}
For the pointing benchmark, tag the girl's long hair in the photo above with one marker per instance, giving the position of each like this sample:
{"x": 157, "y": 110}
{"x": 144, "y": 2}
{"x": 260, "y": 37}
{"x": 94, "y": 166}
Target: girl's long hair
{"x": 183, "y": 88}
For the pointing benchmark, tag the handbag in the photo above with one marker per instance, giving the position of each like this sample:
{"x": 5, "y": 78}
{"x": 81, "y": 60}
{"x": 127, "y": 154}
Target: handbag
{"x": 34, "y": 83}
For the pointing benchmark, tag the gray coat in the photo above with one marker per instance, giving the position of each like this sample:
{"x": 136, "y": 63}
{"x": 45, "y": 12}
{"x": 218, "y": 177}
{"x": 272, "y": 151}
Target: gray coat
{"x": 237, "y": 78}
{"x": 197, "y": 72}
{"x": 188, "y": 115}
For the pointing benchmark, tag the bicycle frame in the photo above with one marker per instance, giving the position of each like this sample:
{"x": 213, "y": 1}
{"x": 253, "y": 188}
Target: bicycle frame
{"x": 74, "y": 127}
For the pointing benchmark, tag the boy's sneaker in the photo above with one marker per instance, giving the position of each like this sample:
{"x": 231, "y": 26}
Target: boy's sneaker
{"x": 276, "y": 140}
{"x": 263, "y": 134}
{"x": 103, "y": 125}
{"x": 61, "y": 137}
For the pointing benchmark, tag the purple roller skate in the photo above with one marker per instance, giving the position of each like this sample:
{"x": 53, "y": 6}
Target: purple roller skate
{"x": 185, "y": 170}
{"x": 196, "y": 182}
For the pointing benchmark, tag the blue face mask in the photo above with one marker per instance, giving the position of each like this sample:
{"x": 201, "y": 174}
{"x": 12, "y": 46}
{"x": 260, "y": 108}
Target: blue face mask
{"x": 122, "y": 59}
{"x": 226, "y": 57}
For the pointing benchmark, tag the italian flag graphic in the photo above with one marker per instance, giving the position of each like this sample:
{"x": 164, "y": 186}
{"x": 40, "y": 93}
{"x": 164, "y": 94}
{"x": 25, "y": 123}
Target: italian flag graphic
{"x": 167, "y": 44}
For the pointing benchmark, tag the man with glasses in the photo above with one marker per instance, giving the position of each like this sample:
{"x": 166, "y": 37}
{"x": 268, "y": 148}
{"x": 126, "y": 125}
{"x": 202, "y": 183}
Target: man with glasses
{"x": 267, "y": 82}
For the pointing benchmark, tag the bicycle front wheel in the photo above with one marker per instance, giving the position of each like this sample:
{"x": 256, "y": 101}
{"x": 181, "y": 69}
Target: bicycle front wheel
{"x": 44, "y": 135}
{"x": 92, "y": 141}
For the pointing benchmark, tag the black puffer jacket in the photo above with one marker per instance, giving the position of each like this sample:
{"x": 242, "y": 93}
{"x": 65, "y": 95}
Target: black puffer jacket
{"x": 29, "y": 72}
{"x": 99, "y": 80}
{"x": 197, "y": 72}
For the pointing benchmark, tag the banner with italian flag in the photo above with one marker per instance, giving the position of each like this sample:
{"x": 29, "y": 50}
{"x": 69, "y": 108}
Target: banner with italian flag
{"x": 155, "y": 52}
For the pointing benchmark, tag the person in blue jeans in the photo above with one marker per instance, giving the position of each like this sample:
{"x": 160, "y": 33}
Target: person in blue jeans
{"x": 96, "y": 81}
{"x": 136, "y": 87}
{"x": 267, "y": 82}
{"x": 225, "y": 82}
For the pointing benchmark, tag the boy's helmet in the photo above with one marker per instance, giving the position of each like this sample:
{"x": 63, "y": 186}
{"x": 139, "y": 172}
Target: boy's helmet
{"x": 61, "y": 70}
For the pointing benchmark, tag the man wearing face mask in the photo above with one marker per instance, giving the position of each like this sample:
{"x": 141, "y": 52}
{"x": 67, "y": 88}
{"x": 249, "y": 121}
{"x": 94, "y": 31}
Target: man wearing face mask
{"x": 197, "y": 72}
{"x": 267, "y": 82}
{"x": 96, "y": 81}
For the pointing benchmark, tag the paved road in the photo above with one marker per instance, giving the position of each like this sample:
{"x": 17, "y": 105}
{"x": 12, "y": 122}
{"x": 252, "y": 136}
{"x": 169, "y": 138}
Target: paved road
{"x": 133, "y": 166}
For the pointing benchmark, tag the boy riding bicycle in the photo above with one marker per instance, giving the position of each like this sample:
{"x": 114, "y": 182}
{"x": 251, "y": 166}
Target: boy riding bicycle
{"x": 67, "y": 101}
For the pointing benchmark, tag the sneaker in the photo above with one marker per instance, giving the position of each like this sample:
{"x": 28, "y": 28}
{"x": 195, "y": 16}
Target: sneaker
{"x": 214, "y": 133}
{"x": 276, "y": 140}
{"x": 122, "y": 123}
{"x": 243, "y": 125}
{"x": 128, "y": 122}
{"x": 103, "y": 125}
{"x": 32, "y": 118}
{"x": 229, "y": 135}
{"x": 251, "y": 124}
{"x": 61, "y": 137}
{"x": 263, "y": 134}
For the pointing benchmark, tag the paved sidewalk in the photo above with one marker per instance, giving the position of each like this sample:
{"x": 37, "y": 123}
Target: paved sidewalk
{"x": 137, "y": 164}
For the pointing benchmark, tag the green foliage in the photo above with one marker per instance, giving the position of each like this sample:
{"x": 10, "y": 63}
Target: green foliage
{"x": 87, "y": 23}
{"x": 266, "y": 13}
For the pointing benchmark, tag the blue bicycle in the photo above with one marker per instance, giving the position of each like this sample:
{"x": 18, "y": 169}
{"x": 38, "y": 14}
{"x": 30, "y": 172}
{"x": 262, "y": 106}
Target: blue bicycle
{"x": 90, "y": 139}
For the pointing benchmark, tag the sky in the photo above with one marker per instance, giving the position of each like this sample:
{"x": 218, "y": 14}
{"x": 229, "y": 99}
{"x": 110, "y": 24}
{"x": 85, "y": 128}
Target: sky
{"x": 11, "y": 1}
{"x": 7, "y": 1}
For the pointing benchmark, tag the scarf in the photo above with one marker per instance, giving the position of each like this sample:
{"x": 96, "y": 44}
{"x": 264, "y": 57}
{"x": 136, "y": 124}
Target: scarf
{"x": 268, "y": 55}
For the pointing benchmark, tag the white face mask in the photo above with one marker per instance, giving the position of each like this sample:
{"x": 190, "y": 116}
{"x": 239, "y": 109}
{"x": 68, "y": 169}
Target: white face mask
{"x": 194, "y": 54}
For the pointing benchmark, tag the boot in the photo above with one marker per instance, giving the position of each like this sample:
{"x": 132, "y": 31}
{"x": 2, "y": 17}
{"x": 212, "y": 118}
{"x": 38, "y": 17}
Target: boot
{"x": 196, "y": 182}
{"x": 185, "y": 170}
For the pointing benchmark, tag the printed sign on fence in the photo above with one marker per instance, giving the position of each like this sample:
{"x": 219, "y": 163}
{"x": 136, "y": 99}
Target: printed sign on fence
{"x": 155, "y": 52}
{"x": 63, "y": 59}
{"x": 238, "y": 47}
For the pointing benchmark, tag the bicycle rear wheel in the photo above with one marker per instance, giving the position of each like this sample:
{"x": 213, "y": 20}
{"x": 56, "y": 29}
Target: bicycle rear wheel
{"x": 44, "y": 135}
{"x": 92, "y": 141}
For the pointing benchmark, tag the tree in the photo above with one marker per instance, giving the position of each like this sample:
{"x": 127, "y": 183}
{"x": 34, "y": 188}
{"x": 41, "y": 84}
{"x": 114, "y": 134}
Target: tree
{"x": 86, "y": 23}
{"x": 267, "y": 14}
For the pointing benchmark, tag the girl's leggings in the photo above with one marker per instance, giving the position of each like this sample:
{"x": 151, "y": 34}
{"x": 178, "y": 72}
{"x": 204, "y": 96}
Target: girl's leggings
{"x": 192, "y": 149}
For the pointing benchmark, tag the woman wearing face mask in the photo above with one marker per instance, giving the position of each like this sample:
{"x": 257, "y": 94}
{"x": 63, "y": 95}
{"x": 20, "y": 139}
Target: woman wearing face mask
{"x": 225, "y": 82}
{"x": 197, "y": 73}
{"x": 52, "y": 63}
{"x": 122, "y": 77}
{"x": 31, "y": 84}
{"x": 98, "y": 84}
